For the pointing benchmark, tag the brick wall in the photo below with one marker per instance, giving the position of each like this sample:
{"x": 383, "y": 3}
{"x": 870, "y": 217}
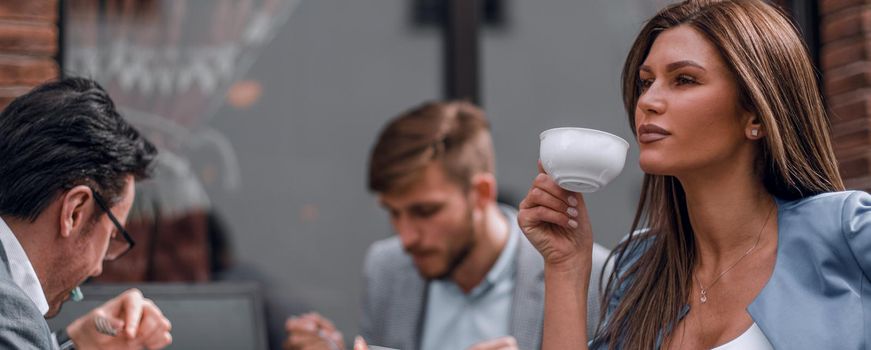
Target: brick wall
{"x": 845, "y": 58}
{"x": 28, "y": 45}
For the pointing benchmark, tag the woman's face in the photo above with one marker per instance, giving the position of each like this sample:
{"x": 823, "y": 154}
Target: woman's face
{"x": 688, "y": 117}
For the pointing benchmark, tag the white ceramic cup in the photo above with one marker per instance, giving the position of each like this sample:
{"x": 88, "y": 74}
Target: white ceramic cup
{"x": 582, "y": 160}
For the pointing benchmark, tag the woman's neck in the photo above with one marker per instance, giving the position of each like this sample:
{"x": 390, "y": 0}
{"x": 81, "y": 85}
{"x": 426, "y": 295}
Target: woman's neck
{"x": 729, "y": 211}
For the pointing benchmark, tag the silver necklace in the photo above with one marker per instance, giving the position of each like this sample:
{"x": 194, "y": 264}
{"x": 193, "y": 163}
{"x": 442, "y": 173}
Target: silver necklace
{"x": 703, "y": 297}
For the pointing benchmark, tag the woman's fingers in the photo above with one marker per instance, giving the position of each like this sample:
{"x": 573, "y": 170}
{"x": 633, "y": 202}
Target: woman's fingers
{"x": 540, "y": 198}
{"x": 546, "y": 215}
{"x": 546, "y": 202}
{"x": 547, "y": 184}
{"x": 546, "y": 193}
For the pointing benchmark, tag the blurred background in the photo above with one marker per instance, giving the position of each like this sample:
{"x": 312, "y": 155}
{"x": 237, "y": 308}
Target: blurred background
{"x": 265, "y": 111}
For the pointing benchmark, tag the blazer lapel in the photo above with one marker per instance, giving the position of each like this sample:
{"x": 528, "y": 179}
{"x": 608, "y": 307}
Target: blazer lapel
{"x": 409, "y": 306}
{"x": 527, "y": 311}
{"x": 5, "y": 271}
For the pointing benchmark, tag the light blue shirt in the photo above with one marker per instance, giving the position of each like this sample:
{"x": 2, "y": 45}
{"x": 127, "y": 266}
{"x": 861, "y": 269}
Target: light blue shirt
{"x": 455, "y": 320}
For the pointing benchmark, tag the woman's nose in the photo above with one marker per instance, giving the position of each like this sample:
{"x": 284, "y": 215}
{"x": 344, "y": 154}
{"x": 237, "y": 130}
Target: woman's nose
{"x": 652, "y": 100}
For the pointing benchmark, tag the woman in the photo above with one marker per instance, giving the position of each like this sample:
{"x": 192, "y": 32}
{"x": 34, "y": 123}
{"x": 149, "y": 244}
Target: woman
{"x": 740, "y": 240}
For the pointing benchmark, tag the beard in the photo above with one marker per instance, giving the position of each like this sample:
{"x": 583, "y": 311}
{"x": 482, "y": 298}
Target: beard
{"x": 457, "y": 257}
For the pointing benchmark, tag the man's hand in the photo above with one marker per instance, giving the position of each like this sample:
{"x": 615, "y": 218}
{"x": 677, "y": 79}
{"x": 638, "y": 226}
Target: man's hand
{"x": 312, "y": 331}
{"x": 360, "y": 343}
{"x": 501, "y": 343}
{"x": 137, "y": 320}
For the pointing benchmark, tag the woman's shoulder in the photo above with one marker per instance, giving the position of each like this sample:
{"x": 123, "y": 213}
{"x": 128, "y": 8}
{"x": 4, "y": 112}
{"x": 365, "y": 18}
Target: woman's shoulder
{"x": 837, "y": 209}
{"x": 627, "y": 253}
{"x": 623, "y": 259}
{"x": 828, "y": 201}
{"x": 834, "y": 219}
{"x": 633, "y": 246}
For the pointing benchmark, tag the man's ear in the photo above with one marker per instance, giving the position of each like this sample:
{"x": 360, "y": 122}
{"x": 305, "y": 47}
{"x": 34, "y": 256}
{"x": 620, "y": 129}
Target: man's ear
{"x": 75, "y": 210}
{"x": 483, "y": 186}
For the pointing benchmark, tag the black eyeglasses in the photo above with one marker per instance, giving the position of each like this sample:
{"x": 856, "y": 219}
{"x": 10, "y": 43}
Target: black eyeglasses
{"x": 121, "y": 243}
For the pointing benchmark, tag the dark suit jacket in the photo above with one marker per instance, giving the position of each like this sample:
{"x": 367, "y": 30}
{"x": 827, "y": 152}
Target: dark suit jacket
{"x": 22, "y": 326}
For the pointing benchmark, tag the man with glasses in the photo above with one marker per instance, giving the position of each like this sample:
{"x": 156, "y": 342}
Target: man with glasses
{"x": 68, "y": 165}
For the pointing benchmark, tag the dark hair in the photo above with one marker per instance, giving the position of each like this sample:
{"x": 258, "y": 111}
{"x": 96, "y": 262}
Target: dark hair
{"x": 455, "y": 133}
{"x": 63, "y": 134}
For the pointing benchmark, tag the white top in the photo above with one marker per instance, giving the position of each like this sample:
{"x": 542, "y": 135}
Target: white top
{"x": 22, "y": 271}
{"x": 751, "y": 339}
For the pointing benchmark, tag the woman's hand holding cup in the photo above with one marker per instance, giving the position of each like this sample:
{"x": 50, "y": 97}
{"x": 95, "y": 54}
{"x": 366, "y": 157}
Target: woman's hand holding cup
{"x": 556, "y": 222}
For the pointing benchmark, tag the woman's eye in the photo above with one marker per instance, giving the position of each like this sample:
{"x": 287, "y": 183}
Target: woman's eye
{"x": 684, "y": 80}
{"x": 645, "y": 83}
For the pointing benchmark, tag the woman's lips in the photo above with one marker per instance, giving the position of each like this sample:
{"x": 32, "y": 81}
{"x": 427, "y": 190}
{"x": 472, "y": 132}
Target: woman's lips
{"x": 651, "y": 133}
{"x": 651, "y": 137}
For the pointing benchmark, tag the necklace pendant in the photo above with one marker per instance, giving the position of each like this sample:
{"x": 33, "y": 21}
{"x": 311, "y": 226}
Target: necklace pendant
{"x": 704, "y": 297}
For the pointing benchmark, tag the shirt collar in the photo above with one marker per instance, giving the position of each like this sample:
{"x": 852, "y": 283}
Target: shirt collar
{"x": 20, "y": 268}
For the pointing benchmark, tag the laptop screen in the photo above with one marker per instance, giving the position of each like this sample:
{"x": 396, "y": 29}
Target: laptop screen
{"x": 204, "y": 315}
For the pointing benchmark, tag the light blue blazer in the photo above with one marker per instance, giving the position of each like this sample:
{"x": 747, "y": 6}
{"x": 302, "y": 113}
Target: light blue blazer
{"x": 819, "y": 295}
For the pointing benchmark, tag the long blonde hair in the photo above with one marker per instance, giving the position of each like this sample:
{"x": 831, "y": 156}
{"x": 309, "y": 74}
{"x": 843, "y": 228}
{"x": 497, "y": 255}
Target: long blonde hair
{"x": 776, "y": 81}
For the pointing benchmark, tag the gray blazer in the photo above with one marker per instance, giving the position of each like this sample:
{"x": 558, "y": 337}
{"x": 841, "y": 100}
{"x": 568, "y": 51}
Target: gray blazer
{"x": 394, "y": 296}
{"x": 22, "y": 326}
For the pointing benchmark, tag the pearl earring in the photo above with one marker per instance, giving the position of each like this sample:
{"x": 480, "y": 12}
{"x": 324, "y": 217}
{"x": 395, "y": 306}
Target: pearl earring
{"x": 754, "y": 132}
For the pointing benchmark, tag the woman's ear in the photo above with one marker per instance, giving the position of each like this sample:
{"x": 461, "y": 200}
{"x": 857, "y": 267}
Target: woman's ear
{"x": 753, "y": 128}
